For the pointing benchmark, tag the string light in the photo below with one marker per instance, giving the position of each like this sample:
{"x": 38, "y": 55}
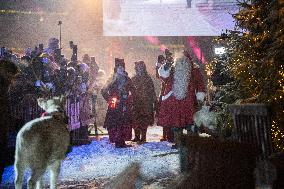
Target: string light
{"x": 11, "y": 11}
{"x": 253, "y": 65}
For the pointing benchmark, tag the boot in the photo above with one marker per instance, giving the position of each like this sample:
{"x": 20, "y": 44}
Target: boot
{"x": 177, "y": 133}
{"x": 190, "y": 130}
{"x": 170, "y": 135}
{"x": 143, "y": 135}
{"x": 137, "y": 135}
{"x": 164, "y": 135}
{"x": 120, "y": 144}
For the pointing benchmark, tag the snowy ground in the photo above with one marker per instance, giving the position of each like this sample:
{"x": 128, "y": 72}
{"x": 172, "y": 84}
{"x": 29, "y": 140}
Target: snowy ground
{"x": 93, "y": 165}
{"x": 165, "y": 18}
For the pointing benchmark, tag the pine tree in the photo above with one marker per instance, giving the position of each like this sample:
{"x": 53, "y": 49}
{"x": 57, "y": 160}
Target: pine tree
{"x": 255, "y": 59}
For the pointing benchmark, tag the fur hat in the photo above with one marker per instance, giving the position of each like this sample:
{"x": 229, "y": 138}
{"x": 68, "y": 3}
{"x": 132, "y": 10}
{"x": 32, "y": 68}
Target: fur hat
{"x": 168, "y": 52}
{"x": 119, "y": 62}
{"x": 140, "y": 63}
{"x": 161, "y": 58}
{"x": 86, "y": 58}
{"x": 187, "y": 54}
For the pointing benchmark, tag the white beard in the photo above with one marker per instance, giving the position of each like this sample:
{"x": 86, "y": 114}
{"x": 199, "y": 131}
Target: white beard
{"x": 182, "y": 76}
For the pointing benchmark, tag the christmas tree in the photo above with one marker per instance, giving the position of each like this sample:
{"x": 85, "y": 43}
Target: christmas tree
{"x": 255, "y": 59}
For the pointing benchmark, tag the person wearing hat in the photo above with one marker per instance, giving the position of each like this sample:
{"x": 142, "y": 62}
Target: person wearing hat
{"x": 169, "y": 58}
{"x": 188, "y": 2}
{"x": 7, "y": 72}
{"x": 161, "y": 60}
{"x": 144, "y": 102}
{"x": 119, "y": 93}
{"x": 184, "y": 90}
{"x": 166, "y": 86}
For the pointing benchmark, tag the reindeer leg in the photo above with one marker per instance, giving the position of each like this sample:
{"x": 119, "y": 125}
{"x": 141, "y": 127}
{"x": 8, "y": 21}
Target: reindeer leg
{"x": 54, "y": 172}
{"x": 35, "y": 177}
{"x": 19, "y": 173}
{"x": 39, "y": 183}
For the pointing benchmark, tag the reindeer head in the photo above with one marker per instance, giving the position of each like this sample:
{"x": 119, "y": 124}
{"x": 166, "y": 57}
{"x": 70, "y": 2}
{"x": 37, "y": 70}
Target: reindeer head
{"x": 55, "y": 104}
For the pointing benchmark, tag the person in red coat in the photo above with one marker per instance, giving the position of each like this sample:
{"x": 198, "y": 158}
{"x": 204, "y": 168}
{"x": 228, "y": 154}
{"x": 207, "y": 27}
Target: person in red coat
{"x": 168, "y": 59}
{"x": 184, "y": 88}
{"x": 119, "y": 92}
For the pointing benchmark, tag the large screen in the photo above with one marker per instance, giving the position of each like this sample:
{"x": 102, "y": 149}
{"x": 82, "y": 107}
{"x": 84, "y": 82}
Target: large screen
{"x": 168, "y": 17}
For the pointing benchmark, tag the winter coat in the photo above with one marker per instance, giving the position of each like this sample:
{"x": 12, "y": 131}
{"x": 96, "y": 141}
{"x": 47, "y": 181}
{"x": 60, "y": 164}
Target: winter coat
{"x": 6, "y": 68}
{"x": 179, "y": 113}
{"x": 119, "y": 116}
{"x": 144, "y": 101}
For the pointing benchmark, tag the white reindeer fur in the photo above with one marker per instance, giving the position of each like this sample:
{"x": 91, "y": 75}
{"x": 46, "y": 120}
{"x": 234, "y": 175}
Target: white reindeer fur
{"x": 41, "y": 144}
{"x": 205, "y": 117}
{"x": 200, "y": 96}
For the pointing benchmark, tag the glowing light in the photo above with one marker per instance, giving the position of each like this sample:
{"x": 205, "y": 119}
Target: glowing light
{"x": 220, "y": 50}
{"x": 113, "y": 102}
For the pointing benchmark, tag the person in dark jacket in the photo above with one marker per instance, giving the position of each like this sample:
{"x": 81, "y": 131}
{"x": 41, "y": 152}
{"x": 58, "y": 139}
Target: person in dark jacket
{"x": 7, "y": 72}
{"x": 119, "y": 92}
{"x": 188, "y": 2}
{"x": 144, "y": 102}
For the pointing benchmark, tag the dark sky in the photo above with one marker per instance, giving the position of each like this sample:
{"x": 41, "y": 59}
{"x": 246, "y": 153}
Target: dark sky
{"x": 82, "y": 20}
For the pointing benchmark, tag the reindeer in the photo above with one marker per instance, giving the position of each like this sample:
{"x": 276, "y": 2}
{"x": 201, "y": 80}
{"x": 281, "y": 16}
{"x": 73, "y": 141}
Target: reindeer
{"x": 42, "y": 143}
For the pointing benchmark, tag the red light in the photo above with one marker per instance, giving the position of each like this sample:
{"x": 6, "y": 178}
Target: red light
{"x": 113, "y": 102}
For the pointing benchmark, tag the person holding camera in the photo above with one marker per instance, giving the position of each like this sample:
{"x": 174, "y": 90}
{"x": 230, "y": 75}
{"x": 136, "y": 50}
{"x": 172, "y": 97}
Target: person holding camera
{"x": 119, "y": 92}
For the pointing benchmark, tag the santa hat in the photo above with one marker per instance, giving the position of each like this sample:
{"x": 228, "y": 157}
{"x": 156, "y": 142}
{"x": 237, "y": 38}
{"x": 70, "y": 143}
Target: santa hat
{"x": 119, "y": 62}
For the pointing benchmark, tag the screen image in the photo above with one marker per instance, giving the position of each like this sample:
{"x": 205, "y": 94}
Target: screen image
{"x": 167, "y": 17}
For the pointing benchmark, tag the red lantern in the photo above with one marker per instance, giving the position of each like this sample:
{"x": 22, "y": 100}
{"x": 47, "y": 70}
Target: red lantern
{"x": 113, "y": 102}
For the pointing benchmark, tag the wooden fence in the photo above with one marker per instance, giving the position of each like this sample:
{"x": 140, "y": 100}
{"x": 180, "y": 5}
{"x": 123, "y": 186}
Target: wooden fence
{"x": 78, "y": 109}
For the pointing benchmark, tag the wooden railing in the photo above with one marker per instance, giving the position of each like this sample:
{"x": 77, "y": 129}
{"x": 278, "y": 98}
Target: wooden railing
{"x": 78, "y": 109}
{"x": 252, "y": 124}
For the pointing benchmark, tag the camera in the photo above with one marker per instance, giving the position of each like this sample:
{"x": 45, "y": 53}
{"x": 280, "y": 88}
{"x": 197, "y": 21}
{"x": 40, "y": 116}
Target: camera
{"x": 74, "y": 57}
{"x": 40, "y": 46}
{"x": 71, "y": 44}
{"x": 57, "y": 55}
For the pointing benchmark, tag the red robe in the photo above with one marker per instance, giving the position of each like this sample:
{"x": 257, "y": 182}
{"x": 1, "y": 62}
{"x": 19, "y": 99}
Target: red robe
{"x": 119, "y": 116}
{"x": 179, "y": 113}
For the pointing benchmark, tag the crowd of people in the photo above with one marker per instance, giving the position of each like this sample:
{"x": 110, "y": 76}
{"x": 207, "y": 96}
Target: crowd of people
{"x": 132, "y": 102}
{"x": 46, "y": 70}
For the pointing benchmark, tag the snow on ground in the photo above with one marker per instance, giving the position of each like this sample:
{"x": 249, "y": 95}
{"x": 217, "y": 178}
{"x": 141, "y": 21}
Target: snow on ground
{"x": 99, "y": 161}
